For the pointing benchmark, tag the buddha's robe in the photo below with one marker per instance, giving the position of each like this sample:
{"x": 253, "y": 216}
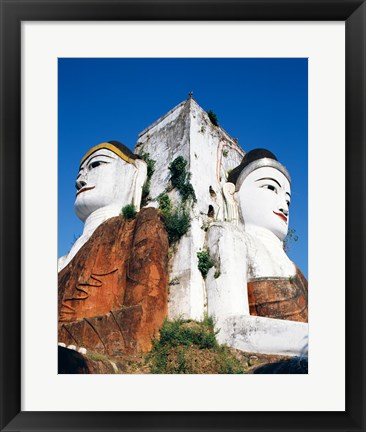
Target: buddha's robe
{"x": 280, "y": 298}
{"x": 113, "y": 294}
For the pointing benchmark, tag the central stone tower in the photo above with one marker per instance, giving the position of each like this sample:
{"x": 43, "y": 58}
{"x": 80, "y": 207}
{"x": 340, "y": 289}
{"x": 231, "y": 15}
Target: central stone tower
{"x": 188, "y": 131}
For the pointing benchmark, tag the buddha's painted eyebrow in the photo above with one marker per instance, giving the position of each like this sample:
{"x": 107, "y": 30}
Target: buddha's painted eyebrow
{"x": 269, "y": 178}
{"x": 274, "y": 180}
{"x": 96, "y": 156}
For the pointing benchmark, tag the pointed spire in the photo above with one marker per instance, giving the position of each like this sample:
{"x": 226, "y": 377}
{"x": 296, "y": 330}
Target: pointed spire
{"x": 190, "y": 94}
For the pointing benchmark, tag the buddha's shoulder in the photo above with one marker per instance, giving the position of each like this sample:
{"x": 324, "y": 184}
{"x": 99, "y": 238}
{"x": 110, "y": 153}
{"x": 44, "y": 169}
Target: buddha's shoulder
{"x": 227, "y": 233}
{"x": 226, "y": 228}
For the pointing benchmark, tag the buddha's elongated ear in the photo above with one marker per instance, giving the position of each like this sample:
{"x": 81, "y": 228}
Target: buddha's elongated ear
{"x": 139, "y": 181}
{"x": 231, "y": 206}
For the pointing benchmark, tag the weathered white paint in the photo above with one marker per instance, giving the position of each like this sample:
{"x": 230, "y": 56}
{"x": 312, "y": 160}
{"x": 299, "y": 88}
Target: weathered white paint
{"x": 61, "y": 344}
{"x": 239, "y": 257}
{"x": 82, "y": 350}
{"x": 264, "y": 335}
{"x": 210, "y": 152}
{"x": 72, "y": 347}
{"x": 105, "y": 184}
{"x": 265, "y": 255}
{"x": 248, "y": 250}
{"x": 227, "y": 282}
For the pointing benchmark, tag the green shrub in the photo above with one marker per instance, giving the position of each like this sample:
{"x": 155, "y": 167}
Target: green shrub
{"x": 213, "y": 118}
{"x": 145, "y": 193}
{"x": 177, "y": 224}
{"x": 177, "y": 221}
{"x": 129, "y": 211}
{"x": 217, "y": 274}
{"x": 205, "y": 262}
{"x": 180, "y": 179}
{"x": 165, "y": 205}
{"x": 178, "y": 171}
{"x": 149, "y": 162}
{"x": 150, "y": 171}
{"x": 187, "y": 192}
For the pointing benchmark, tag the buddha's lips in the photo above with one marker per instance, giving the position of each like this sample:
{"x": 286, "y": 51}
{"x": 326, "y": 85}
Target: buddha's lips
{"x": 281, "y": 215}
{"x": 84, "y": 190}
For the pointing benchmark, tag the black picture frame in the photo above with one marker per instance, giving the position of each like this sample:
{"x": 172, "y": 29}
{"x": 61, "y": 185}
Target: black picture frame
{"x": 13, "y": 12}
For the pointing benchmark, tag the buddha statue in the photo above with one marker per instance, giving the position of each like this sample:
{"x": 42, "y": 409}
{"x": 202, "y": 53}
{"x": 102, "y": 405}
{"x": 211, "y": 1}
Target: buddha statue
{"x": 256, "y": 277}
{"x": 110, "y": 177}
{"x": 113, "y": 283}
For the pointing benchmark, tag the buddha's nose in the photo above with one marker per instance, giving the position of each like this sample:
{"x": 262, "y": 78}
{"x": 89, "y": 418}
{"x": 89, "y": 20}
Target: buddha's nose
{"x": 284, "y": 210}
{"x": 80, "y": 183}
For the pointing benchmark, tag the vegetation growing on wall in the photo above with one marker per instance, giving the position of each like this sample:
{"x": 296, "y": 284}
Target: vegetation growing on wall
{"x": 180, "y": 179}
{"x": 217, "y": 274}
{"x": 150, "y": 171}
{"x": 129, "y": 211}
{"x": 205, "y": 262}
{"x": 190, "y": 347}
{"x": 165, "y": 205}
{"x": 149, "y": 162}
{"x": 176, "y": 219}
{"x": 213, "y": 118}
{"x": 145, "y": 196}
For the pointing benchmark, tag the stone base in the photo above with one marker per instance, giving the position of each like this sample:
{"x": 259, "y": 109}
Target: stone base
{"x": 264, "y": 335}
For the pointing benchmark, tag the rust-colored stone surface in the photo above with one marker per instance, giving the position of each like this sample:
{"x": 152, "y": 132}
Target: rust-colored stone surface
{"x": 113, "y": 294}
{"x": 280, "y": 298}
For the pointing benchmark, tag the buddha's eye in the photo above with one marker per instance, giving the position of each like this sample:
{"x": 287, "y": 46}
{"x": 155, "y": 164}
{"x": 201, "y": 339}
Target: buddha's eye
{"x": 288, "y": 203}
{"x": 270, "y": 187}
{"x": 95, "y": 164}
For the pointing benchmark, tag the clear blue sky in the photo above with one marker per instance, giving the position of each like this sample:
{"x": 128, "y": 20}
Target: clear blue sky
{"x": 262, "y": 102}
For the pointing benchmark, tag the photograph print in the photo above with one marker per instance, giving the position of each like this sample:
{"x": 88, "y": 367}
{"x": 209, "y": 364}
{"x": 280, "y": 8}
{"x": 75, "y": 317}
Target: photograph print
{"x": 183, "y": 216}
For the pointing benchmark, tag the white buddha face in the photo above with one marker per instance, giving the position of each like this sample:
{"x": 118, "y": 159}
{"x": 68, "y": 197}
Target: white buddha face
{"x": 104, "y": 179}
{"x": 264, "y": 200}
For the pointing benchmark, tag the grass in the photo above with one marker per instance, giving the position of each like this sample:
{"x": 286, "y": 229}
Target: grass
{"x": 97, "y": 356}
{"x": 190, "y": 347}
